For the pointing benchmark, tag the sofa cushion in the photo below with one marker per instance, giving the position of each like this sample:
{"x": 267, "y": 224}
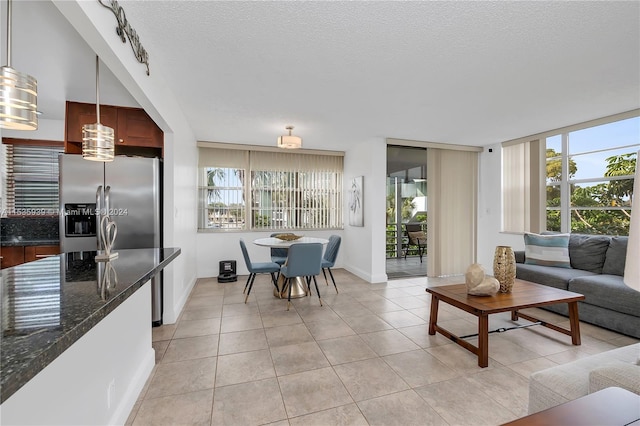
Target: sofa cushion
{"x": 607, "y": 291}
{"x": 588, "y": 251}
{"x": 616, "y": 256}
{"x": 566, "y": 382}
{"x": 549, "y": 275}
{"x": 620, "y": 374}
{"x": 547, "y": 250}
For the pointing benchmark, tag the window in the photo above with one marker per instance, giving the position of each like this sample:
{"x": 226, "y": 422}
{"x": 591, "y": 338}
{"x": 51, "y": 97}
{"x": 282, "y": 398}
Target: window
{"x": 587, "y": 170}
{"x": 254, "y": 190}
{"x": 590, "y": 176}
{"x": 30, "y": 177}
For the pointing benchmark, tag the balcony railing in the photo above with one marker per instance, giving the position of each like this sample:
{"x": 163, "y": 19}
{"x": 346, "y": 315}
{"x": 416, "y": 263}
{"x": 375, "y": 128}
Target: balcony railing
{"x": 393, "y": 250}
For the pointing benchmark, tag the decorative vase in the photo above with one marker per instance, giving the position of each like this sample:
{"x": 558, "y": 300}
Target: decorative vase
{"x": 504, "y": 268}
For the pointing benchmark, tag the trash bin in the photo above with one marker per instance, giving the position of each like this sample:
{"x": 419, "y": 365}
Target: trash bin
{"x": 227, "y": 271}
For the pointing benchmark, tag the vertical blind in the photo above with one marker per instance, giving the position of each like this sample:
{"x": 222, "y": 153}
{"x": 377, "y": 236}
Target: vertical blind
{"x": 305, "y": 191}
{"x": 522, "y": 190}
{"x": 284, "y": 190}
{"x": 452, "y": 211}
{"x": 31, "y": 186}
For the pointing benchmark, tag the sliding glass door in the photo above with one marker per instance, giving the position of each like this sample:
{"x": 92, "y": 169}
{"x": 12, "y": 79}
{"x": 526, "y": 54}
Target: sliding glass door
{"x": 406, "y": 203}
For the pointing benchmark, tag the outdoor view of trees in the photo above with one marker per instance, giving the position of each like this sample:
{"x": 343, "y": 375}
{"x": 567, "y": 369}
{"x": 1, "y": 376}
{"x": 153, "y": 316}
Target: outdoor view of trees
{"x": 596, "y": 207}
{"x": 225, "y": 204}
{"x": 407, "y": 208}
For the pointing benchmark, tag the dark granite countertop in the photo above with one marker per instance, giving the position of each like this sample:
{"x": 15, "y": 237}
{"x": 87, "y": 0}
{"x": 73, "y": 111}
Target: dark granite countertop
{"x": 47, "y": 305}
{"x": 16, "y": 242}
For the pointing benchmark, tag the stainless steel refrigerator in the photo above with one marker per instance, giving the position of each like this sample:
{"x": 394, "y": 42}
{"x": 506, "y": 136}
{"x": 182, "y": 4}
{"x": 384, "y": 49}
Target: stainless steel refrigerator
{"x": 129, "y": 190}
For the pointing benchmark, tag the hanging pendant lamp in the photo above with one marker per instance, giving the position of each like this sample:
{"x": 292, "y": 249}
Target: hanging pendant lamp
{"x": 289, "y": 141}
{"x": 18, "y": 93}
{"x": 97, "y": 140}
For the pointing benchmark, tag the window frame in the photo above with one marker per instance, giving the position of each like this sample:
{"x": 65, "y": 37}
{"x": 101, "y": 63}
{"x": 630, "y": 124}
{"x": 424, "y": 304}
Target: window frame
{"x": 539, "y": 184}
{"x": 255, "y": 162}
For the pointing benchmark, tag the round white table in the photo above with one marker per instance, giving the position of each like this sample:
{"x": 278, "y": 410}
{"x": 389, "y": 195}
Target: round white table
{"x": 299, "y": 285}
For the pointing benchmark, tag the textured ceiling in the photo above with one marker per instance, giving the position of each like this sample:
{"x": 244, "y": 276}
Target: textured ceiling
{"x": 471, "y": 73}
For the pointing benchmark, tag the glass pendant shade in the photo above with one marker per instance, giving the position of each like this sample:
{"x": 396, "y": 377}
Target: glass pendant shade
{"x": 97, "y": 142}
{"x": 18, "y": 93}
{"x": 289, "y": 141}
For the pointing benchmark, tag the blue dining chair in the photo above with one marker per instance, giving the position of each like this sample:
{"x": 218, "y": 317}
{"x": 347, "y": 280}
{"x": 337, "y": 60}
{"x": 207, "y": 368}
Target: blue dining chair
{"x": 329, "y": 258}
{"x": 303, "y": 261}
{"x": 278, "y": 255}
{"x": 257, "y": 268}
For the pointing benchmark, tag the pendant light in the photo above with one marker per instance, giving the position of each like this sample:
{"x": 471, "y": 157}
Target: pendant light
{"x": 289, "y": 141}
{"x": 18, "y": 93}
{"x": 97, "y": 140}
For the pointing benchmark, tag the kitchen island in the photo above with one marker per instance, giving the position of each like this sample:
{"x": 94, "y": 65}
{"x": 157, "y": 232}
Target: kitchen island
{"x": 76, "y": 336}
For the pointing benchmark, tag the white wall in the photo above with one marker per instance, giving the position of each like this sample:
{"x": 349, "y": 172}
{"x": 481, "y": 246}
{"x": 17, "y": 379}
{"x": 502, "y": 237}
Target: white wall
{"x": 50, "y": 130}
{"x": 97, "y": 380}
{"x": 96, "y": 28}
{"x": 364, "y": 247}
{"x": 489, "y": 217}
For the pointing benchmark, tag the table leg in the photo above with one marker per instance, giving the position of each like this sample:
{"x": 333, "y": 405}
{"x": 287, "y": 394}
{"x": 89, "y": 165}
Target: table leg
{"x": 574, "y": 322}
{"x": 433, "y": 316}
{"x": 483, "y": 341}
{"x": 514, "y": 315}
{"x": 298, "y": 288}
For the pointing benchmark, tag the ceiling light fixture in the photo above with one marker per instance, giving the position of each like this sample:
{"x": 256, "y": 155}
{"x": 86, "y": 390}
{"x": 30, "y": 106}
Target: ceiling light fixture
{"x": 97, "y": 140}
{"x": 289, "y": 141}
{"x": 18, "y": 93}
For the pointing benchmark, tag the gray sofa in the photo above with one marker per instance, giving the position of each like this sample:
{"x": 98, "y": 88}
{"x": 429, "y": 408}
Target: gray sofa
{"x": 597, "y": 268}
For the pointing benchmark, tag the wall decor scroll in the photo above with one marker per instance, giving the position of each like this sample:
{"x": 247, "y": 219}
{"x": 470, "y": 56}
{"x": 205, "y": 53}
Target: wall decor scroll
{"x": 125, "y": 30}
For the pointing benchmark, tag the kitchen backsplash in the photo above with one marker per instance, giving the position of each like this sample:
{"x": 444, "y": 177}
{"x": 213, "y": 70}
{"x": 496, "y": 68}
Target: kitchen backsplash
{"x": 30, "y": 228}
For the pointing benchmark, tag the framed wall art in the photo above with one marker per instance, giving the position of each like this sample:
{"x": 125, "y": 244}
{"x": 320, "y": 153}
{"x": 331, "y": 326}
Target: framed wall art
{"x": 356, "y": 194}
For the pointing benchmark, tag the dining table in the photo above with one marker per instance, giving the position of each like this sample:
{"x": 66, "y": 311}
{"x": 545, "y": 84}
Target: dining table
{"x": 298, "y": 285}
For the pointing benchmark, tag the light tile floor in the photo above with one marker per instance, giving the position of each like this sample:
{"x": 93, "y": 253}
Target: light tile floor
{"x": 365, "y": 357}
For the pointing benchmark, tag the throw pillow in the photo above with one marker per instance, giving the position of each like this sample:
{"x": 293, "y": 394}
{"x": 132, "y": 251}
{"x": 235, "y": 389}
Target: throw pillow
{"x": 587, "y": 252}
{"x": 616, "y": 256}
{"x": 547, "y": 250}
{"x": 418, "y": 237}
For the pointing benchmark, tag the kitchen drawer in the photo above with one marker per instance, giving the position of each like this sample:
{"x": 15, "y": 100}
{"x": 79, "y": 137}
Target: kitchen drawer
{"x": 16, "y": 255}
{"x": 32, "y": 253}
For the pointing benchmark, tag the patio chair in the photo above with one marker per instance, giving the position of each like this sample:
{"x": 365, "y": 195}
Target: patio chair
{"x": 416, "y": 238}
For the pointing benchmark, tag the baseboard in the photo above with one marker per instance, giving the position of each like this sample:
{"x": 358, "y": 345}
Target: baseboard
{"x": 129, "y": 399}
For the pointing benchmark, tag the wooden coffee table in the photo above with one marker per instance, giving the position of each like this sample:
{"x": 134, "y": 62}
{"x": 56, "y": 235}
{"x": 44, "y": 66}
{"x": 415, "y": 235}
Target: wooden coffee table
{"x": 610, "y": 406}
{"x": 524, "y": 295}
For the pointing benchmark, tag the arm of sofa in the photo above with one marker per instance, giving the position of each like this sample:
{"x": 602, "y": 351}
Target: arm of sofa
{"x": 621, "y": 374}
{"x": 520, "y": 258}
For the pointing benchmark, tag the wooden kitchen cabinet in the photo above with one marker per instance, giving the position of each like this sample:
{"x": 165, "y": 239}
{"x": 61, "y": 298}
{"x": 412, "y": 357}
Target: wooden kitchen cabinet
{"x": 11, "y": 256}
{"x": 135, "y": 128}
{"x": 77, "y": 115}
{"x": 16, "y": 255}
{"x": 135, "y": 132}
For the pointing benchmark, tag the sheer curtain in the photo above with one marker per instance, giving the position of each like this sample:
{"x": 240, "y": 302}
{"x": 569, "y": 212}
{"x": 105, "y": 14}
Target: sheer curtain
{"x": 523, "y": 187}
{"x": 452, "y": 179}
